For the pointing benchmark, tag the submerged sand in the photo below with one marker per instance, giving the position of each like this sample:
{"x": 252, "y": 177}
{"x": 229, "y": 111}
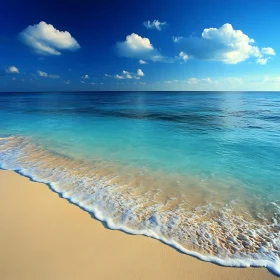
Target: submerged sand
{"x": 45, "y": 237}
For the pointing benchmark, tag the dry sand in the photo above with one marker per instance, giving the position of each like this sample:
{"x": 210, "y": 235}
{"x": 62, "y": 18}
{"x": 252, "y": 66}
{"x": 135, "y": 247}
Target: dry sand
{"x": 43, "y": 236}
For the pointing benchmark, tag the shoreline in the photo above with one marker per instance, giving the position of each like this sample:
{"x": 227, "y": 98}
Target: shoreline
{"x": 44, "y": 236}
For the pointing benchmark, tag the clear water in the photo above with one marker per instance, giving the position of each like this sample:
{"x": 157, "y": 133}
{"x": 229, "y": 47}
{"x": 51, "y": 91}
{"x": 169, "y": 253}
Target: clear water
{"x": 198, "y": 170}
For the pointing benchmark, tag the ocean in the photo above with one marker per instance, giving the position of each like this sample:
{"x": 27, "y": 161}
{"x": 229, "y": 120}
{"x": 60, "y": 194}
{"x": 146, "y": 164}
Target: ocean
{"x": 197, "y": 170}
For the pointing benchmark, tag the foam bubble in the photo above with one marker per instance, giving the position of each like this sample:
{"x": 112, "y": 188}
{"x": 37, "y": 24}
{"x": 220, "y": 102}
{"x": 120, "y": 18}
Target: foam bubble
{"x": 191, "y": 218}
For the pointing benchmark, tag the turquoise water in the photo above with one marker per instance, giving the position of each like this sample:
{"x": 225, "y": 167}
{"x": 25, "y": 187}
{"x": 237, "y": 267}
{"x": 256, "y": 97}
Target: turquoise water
{"x": 199, "y": 171}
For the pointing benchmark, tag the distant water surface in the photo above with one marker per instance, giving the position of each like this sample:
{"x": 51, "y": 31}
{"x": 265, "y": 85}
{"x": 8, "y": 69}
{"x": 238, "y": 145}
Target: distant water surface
{"x": 198, "y": 170}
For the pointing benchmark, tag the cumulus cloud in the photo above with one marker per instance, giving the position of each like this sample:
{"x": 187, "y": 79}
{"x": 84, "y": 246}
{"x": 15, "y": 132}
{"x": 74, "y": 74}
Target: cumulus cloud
{"x": 119, "y": 77}
{"x": 140, "y": 73}
{"x": 269, "y": 51}
{"x": 137, "y": 47}
{"x": 46, "y": 75}
{"x": 85, "y": 77}
{"x": 262, "y": 60}
{"x": 183, "y": 56}
{"x": 141, "y": 61}
{"x": 12, "y": 69}
{"x": 156, "y": 24}
{"x": 44, "y": 39}
{"x": 223, "y": 44}
{"x": 127, "y": 75}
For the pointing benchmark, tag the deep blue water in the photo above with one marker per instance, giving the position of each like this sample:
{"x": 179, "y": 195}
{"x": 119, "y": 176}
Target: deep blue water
{"x": 178, "y": 163}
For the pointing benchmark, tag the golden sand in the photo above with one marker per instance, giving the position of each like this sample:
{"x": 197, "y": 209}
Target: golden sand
{"x": 43, "y": 236}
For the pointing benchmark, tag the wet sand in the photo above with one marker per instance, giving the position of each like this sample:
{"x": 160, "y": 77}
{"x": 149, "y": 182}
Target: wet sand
{"x": 43, "y": 236}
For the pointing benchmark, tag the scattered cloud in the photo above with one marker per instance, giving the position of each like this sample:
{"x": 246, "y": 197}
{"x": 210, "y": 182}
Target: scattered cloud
{"x": 262, "y": 60}
{"x": 92, "y": 83}
{"x": 142, "y": 61}
{"x": 46, "y": 75}
{"x": 223, "y": 44}
{"x": 176, "y": 39}
{"x": 12, "y": 69}
{"x": 85, "y": 77}
{"x": 156, "y": 24}
{"x": 119, "y": 77}
{"x": 14, "y": 78}
{"x": 83, "y": 82}
{"x": 140, "y": 73}
{"x": 193, "y": 81}
{"x": 68, "y": 82}
{"x": 44, "y": 39}
{"x": 269, "y": 51}
{"x": 137, "y": 47}
{"x": 183, "y": 56}
{"x": 127, "y": 75}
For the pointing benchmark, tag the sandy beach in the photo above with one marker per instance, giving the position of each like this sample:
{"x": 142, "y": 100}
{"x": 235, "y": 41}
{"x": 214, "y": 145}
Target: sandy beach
{"x": 45, "y": 237}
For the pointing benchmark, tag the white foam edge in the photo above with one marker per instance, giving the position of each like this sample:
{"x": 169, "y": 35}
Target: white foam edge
{"x": 274, "y": 267}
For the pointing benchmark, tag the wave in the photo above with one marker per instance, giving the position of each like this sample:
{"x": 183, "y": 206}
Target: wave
{"x": 196, "y": 217}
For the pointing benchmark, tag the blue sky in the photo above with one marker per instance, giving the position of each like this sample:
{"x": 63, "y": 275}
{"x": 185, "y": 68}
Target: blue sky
{"x": 139, "y": 45}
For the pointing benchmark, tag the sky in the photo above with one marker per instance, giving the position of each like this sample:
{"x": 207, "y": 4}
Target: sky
{"x": 144, "y": 45}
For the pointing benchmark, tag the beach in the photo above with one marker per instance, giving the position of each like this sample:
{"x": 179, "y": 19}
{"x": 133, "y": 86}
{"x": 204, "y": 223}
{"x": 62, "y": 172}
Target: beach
{"x": 44, "y": 236}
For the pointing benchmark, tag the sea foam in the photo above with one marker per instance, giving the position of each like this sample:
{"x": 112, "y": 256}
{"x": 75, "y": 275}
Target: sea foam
{"x": 210, "y": 228}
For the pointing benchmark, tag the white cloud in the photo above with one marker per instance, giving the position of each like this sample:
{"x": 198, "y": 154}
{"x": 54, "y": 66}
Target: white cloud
{"x": 92, "y": 83}
{"x": 127, "y": 75}
{"x": 262, "y": 61}
{"x": 156, "y": 24}
{"x": 47, "y": 40}
{"x": 223, "y": 44}
{"x": 83, "y": 82}
{"x": 176, "y": 39}
{"x": 46, "y": 75}
{"x": 12, "y": 69}
{"x": 192, "y": 81}
{"x": 142, "y": 61}
{"x": 208, "y": 80}
{"x": 68, "y": 82}
{"x": 137, "y": 47}
{"x": 269, "y": 51}
{"x": 183, "y": 56}
{"x": 140, "y": 73}
{"x": 119, "y": 77}
{"x": 85, "y": 77}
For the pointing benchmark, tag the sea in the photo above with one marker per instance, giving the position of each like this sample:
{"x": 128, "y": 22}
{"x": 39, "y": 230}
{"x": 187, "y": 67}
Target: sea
{"x": 199, "y": 171}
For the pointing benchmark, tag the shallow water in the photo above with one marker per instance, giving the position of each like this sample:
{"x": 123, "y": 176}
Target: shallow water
{"x": 199, "y": 171}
